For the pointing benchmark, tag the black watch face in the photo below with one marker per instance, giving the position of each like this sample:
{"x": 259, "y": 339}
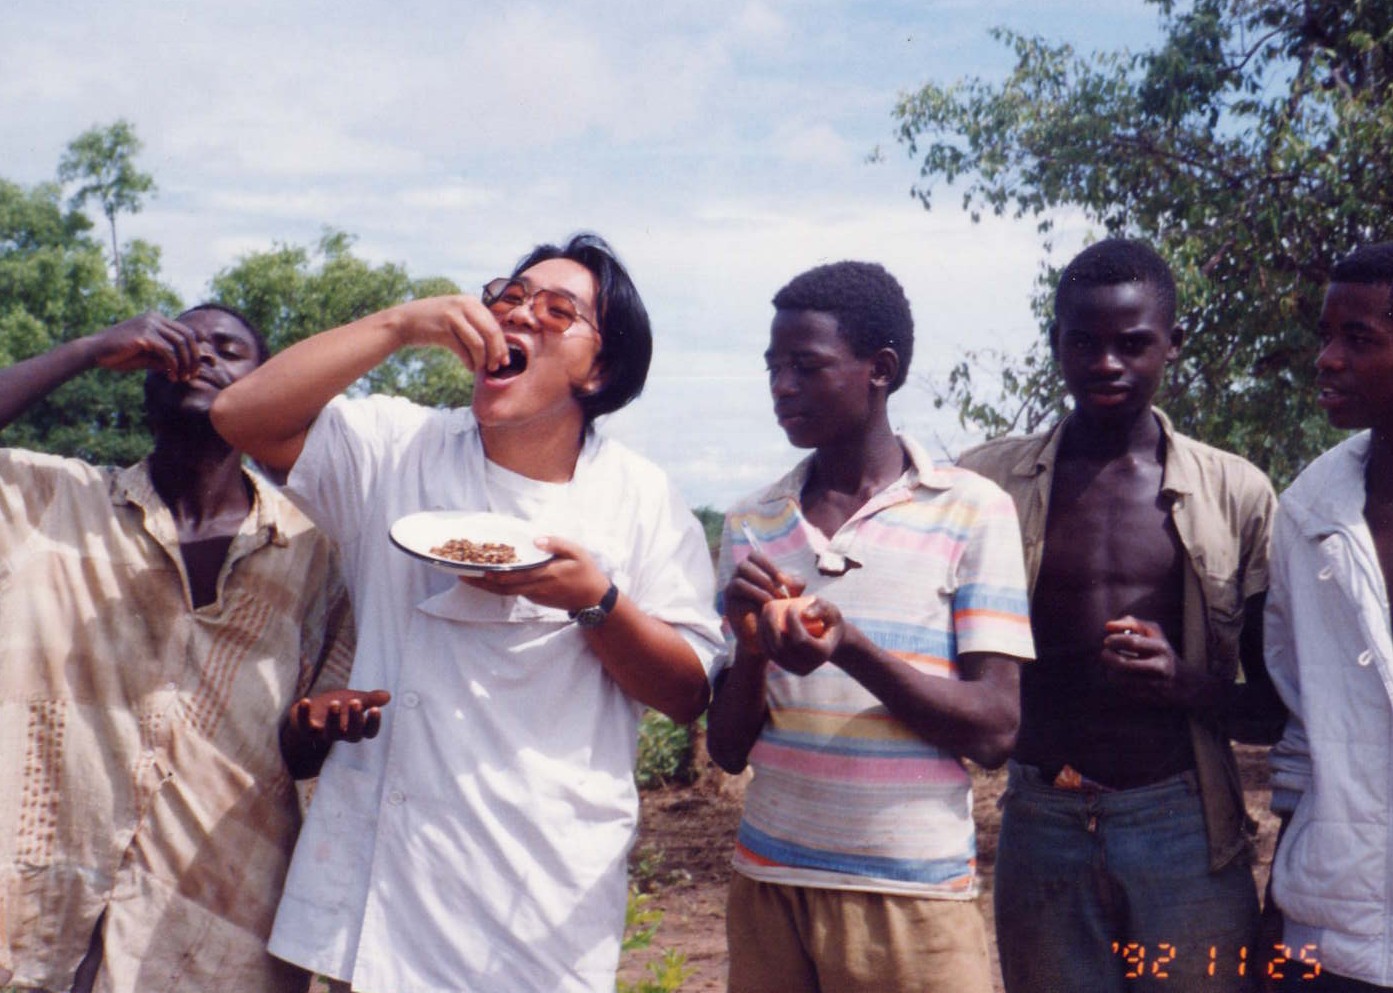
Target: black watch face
{"x": 591, "y": 617}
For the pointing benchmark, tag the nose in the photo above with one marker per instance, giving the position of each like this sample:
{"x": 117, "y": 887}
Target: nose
{"x": 1329, "y": 358}
{"x": 1106, "y": 361}
{"x": 782, "y": 383}
{"x": 523, "y": 313}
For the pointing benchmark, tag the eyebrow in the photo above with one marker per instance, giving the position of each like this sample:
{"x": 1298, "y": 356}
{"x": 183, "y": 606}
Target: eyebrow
{"x": 550, "y": 289}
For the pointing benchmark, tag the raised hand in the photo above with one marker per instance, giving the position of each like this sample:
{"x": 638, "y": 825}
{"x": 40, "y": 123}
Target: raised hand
{"x": 460, "y": 323}
{"x": 148, "y": 341}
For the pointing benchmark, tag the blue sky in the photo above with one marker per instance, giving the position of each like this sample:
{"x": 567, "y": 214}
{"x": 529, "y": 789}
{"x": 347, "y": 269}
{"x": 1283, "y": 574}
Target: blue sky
{"x": 721, "y": 146}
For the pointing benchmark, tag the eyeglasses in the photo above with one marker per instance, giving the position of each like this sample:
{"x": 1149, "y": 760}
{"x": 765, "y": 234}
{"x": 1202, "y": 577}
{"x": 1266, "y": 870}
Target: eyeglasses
{"x": 554, "y": 311}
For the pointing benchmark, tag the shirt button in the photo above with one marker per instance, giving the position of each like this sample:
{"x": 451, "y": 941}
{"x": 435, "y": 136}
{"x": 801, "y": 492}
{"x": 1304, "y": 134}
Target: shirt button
{"x": 1326, "y": 573}
{"x": 1366, "y": 657}
{"x": 396, "y": 798}
{"x": 411, "y": 700}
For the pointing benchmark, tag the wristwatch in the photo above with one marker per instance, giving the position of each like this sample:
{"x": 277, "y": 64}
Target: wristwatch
{"x": 593, "y": 617}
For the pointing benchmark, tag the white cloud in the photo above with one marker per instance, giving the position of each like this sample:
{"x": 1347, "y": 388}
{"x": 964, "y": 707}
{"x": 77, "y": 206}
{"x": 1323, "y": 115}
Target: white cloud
{"x": 717, "y": 143}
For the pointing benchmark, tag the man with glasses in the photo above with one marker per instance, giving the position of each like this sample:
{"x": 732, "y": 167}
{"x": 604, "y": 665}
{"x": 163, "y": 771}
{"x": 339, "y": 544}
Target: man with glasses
{"x": 480, "y": 842}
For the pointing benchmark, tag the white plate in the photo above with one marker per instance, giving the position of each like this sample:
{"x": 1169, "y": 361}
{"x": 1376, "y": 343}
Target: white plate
{"x": 417, "y": 534}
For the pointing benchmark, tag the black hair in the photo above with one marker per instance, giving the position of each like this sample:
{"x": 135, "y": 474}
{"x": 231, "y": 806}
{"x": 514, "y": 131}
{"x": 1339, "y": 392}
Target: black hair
{"x": 869, "y": 304}
{"x": 1115, "y": 261}
{"x": 626, "y": 338}
{"x": 1368, "y": 265}
{"x": 263, "y": 350}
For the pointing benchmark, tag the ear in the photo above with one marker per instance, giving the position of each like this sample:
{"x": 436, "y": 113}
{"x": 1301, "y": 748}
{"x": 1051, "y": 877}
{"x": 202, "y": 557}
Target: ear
{"x": 885, "y": 367}
{"x": 1053, "y": 332}
{"x": 593, "y": 381}
{"x": 1177, "y": 338}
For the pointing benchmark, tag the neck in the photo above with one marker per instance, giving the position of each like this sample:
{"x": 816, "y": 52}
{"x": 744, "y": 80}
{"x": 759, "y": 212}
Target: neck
{"x": 1088, "y": 437}
{"x": 197, "y": 477}
{"x": 864, "y": 466}
{"x": 548, "y": 454}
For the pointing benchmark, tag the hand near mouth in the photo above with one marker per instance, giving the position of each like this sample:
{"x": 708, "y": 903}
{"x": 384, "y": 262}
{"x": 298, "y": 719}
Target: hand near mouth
{"x": 461, "y": 324}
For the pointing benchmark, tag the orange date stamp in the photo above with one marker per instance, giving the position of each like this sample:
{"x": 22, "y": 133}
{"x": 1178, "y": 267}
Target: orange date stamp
{"x": 1283, "y": 963}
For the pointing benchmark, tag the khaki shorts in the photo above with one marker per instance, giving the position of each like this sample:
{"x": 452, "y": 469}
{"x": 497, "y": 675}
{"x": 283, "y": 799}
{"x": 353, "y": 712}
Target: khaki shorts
{"x": 788, "y": 939}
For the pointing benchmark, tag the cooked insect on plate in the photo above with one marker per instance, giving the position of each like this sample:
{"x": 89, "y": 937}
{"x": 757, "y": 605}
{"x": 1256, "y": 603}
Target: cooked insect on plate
{"x": 479, "y": 552}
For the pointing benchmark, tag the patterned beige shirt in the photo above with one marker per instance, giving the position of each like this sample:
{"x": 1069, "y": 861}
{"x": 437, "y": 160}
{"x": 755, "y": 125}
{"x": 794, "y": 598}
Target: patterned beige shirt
{"x": 140, "y": 770}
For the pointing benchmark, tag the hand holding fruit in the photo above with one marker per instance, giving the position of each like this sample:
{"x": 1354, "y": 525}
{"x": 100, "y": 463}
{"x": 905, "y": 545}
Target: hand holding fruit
{"x": 757, "y": 581}
{"x": 800, "y": 633}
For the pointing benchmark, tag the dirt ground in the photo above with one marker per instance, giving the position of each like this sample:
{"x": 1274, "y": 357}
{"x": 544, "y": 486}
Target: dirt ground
{"x": 682, "y": 860}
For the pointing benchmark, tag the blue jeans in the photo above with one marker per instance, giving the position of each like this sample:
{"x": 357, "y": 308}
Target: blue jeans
{"x": 1102, "y": 892}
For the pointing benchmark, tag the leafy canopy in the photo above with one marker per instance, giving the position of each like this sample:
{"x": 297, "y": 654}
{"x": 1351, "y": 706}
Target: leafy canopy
{"x": 1250, "y": 146}
{"x": 101, "y": 161}
{"x": 292, "y": 292}
{"x": 55, "y": 286}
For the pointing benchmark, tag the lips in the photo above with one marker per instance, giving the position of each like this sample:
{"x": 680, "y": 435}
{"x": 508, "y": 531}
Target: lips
{"x": 1328, "y": 397}
{"x": 1107, "y": 396}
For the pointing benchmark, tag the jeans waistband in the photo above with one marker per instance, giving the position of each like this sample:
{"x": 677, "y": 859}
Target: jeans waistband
{"x": 1029, "y": 779}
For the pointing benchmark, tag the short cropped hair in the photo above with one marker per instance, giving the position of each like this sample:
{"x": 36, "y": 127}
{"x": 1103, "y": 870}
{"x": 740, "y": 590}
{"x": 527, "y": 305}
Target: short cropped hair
{"x": 263, "y": 350}
{"x": 868, "y": 303}
{"x": 626, "y": 338}
{"x": 1112, "y": 262}
{"x": 1368, "y": 265}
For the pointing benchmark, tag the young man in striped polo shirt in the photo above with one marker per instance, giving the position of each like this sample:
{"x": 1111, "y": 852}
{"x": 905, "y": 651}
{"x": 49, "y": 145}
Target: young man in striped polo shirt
{"x": 855, "y": 861}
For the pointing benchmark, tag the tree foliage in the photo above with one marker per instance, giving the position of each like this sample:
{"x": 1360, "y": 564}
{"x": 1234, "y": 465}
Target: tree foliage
{"x": 1250, "y": 146}
{"x": 54, "y": 287}
{"x": 101, "y": 161}
{"x": 292, "y": 292}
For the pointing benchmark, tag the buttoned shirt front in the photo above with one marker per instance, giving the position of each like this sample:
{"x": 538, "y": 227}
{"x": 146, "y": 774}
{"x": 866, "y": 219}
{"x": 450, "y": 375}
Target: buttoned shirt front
{"x": 1222, "y": 508}
{"x": 139, "y": 751}
{"x": 845, "y": 795}
{"x": 1330, "y": 652}
{"x": 479, "y": 842}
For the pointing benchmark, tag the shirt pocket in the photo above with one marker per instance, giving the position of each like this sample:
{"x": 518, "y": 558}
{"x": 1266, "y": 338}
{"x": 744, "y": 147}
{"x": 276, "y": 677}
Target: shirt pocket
{"x": 1223, "y": 606}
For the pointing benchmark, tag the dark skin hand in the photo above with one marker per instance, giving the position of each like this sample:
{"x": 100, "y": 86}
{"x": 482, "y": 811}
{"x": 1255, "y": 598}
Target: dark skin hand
{"x": 1138, "y": 659}
{"x": 975, "y": 716}
{"x": 146, "y": 342}
{"x": 314, "y": 723}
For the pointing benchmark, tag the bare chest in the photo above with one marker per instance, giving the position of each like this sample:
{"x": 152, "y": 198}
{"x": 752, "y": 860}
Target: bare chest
{"x": 1111, "y": 547}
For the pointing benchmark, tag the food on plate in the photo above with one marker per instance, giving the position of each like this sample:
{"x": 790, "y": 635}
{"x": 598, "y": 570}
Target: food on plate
{"x": 476, "y": 552}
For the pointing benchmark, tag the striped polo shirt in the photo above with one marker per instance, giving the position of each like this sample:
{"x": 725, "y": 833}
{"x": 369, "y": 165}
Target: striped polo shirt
{"x": 844, "y": 795}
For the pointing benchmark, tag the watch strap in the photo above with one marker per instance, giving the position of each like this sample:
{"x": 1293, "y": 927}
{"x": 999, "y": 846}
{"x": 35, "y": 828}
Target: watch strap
{"x": 589, "y": 617}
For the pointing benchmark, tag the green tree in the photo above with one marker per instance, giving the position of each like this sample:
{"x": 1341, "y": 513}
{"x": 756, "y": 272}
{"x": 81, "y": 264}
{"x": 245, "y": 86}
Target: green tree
{"x": 102, "y": 161}
{"x": 54, "y": 287}
{"x": 1250, "y": 146}
{"x": 293, "y": 292}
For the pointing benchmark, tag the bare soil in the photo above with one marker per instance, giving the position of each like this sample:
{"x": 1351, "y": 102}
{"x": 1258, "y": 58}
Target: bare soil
{"x": 682, "y": 859}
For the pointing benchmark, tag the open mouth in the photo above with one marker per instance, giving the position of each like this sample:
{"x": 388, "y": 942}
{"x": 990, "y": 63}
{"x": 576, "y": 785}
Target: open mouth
{"x": 517, "y": 362}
